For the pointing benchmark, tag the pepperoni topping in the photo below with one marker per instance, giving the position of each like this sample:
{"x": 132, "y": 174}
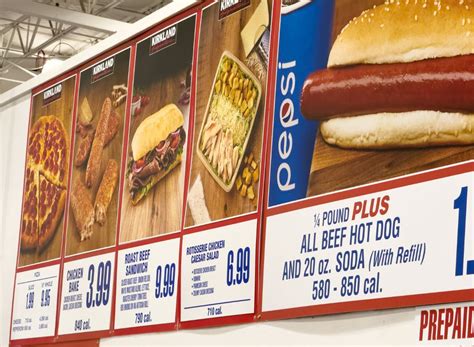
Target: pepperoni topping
{"x": 29, "y": 199}
{"x": 28, "y": 228}
{"x": 47, "y": 222}
{"x": 54, "y": 208}
{"x": 42, "y": 209}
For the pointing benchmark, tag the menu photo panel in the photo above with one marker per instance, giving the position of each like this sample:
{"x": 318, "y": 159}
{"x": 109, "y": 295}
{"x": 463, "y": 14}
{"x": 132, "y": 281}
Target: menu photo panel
{"x": 370, "y": 178}
{"x": 153, "y": 187}
{"x": 220, "y": 242}
{"x": 88, "y": 280}
{"x": 43, "y": 212}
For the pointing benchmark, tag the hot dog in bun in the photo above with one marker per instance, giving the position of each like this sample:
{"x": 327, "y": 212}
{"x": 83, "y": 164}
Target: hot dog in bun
{"x": 157, "y": 147}
{"x": 399, "y": 75}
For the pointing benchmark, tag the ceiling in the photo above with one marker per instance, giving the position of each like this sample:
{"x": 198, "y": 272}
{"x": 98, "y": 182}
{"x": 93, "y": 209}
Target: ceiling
{"x": 35, "y": 31}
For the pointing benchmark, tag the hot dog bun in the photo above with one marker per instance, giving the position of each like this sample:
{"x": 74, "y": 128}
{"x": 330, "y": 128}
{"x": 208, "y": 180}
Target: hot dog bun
{"x": 406, "y": 31}
{"x": 403, "y": 32}
{"x": 155, "y": 129}
{"x": 400, "y": 130}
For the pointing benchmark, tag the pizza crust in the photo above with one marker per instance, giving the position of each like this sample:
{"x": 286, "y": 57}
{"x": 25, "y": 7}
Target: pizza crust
{"x": 29, "y": 223}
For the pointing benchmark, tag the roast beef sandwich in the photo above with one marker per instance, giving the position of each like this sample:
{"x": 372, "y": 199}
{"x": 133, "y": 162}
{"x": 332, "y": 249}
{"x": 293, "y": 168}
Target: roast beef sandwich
{"x": 399, "y": 75}
{"x": 157, "y": 148}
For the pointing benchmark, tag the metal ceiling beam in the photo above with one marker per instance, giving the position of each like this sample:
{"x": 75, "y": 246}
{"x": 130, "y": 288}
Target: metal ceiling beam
{"x": 23, "y": 48}
{"x": 49, "y": 41}
{"x": 21, "y": 68}
{"x": 89, "y": 36}
{"x": 126, "y": 12}
{"x": 83, "y": 6}
{"x": 110, "y": 5}
{"x": 69, "y": 30}
{"x": 11, "y": 80}
{"x": 33, "y": 35}
{"x": 7, "y": 48}
{"x": 74, "y": 18}
{"x": 12, "y": 25}
{"x": 58, "y": 34}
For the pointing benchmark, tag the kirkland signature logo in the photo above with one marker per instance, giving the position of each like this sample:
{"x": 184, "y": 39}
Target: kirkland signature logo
{"x": 163, "y": 39}
{"x": 103, "y": 69}
{"x": 228, "y": 7}
{"x": 52, "y": 94}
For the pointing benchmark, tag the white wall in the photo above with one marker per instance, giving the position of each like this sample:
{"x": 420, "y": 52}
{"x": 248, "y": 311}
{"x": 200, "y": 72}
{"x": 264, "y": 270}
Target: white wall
{"x": 13, "y": 133}
{"x": 396, "y": 327}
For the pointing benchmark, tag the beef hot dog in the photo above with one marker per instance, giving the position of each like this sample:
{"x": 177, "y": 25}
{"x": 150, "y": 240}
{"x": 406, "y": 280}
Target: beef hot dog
{"x": 399, "y": 75}
{"x": 444, "y": 84}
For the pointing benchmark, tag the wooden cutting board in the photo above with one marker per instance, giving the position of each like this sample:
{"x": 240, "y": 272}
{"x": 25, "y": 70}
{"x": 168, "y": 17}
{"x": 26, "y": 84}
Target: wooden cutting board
{"x": 62, "y": 109}
{"x": 96, "y": 93}
{"x": 216, "y": 37}
{"x": 160, "y": 211}
{"x": 334, "y": 168}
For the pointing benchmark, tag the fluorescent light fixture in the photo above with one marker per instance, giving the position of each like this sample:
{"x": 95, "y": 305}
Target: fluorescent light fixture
{"x": 51, "y": 64}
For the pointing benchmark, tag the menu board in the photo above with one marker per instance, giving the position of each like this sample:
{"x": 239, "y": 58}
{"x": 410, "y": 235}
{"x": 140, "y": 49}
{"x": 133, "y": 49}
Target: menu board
{"x": 88, "y": 270}
{"x": 86, "y": 298}
{"x": 153, "y": 189}
{"x": 147, "y": 285}
{"x": 245, "y": 149}
{"x": 45, "y": 191}
{"x": 220, "y": 249}
{"x": 369, "y": 201}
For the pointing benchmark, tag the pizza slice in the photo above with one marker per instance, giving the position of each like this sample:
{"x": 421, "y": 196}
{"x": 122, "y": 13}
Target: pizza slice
{"x": 29, "y": 223}
{"x": 55, "y": 152}
{"x": 35, "y": 146}
{"x": 46, "y": 181}
{"x": 51, "y": 206}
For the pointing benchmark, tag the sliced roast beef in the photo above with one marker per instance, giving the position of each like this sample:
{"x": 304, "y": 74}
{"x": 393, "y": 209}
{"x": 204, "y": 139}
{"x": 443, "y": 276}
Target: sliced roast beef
{"x": 160, "y": 158}
{"x": 150, "y": 169}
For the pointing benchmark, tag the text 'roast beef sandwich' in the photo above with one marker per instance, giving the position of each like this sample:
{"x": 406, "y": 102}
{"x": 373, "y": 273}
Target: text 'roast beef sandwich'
{"x": 157, "y": 147}
{"x": 399, "y": 75}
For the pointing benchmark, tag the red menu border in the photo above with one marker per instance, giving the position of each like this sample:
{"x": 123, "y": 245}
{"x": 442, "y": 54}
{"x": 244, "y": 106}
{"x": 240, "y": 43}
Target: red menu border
{"x": 261, "y": 214}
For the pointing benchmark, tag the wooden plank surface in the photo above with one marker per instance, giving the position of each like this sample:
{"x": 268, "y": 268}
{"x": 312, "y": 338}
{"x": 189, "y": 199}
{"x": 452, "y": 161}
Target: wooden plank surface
{"x": 352, "y": 167}
{"x": 334, "y": 168}
{"x": 96, "y": 93}
{"x": 216, "y": 37}
{"x": 62, "y": 109}
{"x": 161, "y": 210}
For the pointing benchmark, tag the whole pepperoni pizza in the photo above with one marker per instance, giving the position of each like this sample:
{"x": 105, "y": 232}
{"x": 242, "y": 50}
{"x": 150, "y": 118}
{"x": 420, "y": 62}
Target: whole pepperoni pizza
{"x": 47, "y": 167}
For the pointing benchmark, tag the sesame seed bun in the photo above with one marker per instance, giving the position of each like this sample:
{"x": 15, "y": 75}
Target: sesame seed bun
{"x": 406, "y": 31}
